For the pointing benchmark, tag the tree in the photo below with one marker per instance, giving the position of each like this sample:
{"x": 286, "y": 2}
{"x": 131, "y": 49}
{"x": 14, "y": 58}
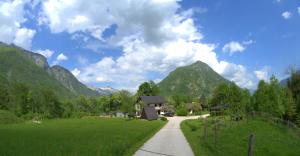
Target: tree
{"x": 247, "y": 100}
{"x": 269, "y": 97}
{"x": 294, "y": 86}
{"x": 82, "y": 104}
{"x": 104, "y": 103}
{"x": 148, "y": 89}
{"x": 21, "y": 92}
{"x": 203, "y": 101}
{"x": 127, "y": 102}
{"x": 233, "y": 96}
{"x": 290, "y": 106}
{"x": 4, "y": 97}
{"x": 53, "y": 106}
{"x": 261, "y": 100}
{"x": 276, "y": 97}
{"x": 115, "y": 101}
{"x": 220, "y": 95}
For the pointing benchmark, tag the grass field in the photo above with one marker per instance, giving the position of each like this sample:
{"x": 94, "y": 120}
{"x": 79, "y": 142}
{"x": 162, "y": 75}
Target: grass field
{"x": 270, "y": 140}
{"x": 105, "y": 137}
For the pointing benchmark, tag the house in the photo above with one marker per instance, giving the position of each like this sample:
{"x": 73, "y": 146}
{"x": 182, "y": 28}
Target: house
{"x": 149, "y": 113}
{"x": 193, "y": 107}
{"x": 219, "y": 109}
{"x": 157, "y": 102}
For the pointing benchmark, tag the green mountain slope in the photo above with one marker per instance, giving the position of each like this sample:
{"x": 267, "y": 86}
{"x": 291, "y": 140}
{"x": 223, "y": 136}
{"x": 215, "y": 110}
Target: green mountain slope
{"x": 69, "y": 81}
{"x": 18, "y": 65}
{"x": 193, "y": 80}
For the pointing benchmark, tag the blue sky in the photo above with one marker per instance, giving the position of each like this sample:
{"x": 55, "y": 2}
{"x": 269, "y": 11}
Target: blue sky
{"x": 123, "y": 43}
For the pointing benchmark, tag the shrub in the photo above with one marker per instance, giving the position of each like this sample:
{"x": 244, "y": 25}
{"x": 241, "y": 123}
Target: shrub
{"x": 181, "y": 112}
{"x": 7, "y": 117}
{"x": 192, "y": 127}
{"x": 163, "y": 119}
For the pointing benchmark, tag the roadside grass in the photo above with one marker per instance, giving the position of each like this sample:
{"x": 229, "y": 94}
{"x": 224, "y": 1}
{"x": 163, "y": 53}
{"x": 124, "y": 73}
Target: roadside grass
{"x": 76, "y": 137}
{"x": 270, "y": 139}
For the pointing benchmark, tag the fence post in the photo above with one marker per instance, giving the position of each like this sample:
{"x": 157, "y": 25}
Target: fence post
{"x": 251, "y": 144}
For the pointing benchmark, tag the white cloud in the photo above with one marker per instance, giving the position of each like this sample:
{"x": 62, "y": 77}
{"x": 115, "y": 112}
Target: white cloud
{"x": 149, "y": 19}
{"x": 238, "y": 74}
{"x": 233, "y": 47}
{"x": 199, "y": 10}
{"x": 23, "y": 37}
{"x": 248, "y": 42}
{"x": 140, "y": 59}
{"x": 262, "y": 74}
{"x": 286, "y": 15}
{"x": 59, "y": 58}
{"x": 11, "y": 19}
{"x": 75, "y": 72}
{"x": 47, "y": 53}
{"x": 155, "y": 36}
{"x": 82, "y": 60}
{"x": 298, "y": 9}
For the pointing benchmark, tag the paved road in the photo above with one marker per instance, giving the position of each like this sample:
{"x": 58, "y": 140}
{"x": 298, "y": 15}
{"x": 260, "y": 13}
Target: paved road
{"x": 169, "y": 141}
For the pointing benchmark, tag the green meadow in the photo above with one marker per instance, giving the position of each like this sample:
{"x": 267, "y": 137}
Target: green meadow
{"x": 90, "y": 136}
{"x": 270, "y": 139}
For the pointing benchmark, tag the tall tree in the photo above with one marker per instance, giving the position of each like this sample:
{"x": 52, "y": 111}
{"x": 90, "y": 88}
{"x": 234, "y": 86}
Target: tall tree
{"x": 261, "y": 101}
{"x": 4, "y": 97}
{"x": 53, "y": 106}
{"x": 148, "y": 89}
{"x": 127, "y": 102}
{"x": 21, "y": 92}
{"x": 269, "y": 97}
{"x": 231, "y": 95}
{"x": 290, "y": 106}
{"x": 294, "y": 86}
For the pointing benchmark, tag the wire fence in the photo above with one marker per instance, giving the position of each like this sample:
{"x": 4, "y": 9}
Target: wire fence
{"x": 274, "y": 120}
{"x": 213, "y": 126}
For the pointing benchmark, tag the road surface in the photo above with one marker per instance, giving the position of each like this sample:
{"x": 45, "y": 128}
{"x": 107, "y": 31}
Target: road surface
{"x": 169, "y": 141}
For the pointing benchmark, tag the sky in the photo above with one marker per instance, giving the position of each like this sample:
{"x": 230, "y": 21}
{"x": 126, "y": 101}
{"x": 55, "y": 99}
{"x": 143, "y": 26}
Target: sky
{"x": 124, "y": 43}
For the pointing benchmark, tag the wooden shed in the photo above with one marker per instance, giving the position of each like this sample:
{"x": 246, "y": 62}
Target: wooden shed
{"x": 149, "y": 113}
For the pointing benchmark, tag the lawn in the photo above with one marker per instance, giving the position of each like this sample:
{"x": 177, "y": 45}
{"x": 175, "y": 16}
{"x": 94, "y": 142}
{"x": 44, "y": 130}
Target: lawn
{"x": 270, "y": 139}
{"x": 99, "y": 136}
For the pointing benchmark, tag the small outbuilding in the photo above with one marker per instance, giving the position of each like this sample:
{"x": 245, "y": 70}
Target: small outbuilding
{"x": 149, "y": 113}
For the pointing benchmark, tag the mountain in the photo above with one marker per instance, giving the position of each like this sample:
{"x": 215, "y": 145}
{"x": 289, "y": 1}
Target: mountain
{"x": 68, "y": 80}
{"x": 193, "y": 80}
{"x": 19, "y": 65}
{"x": 104, "y": 90}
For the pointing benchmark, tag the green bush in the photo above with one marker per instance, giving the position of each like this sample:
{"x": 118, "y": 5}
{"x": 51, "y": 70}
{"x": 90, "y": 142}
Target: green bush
{"x": 7, "y": 117}
{"x": 163, "y": 119}
{"x": 181, "y": 112}
{"x": 191, "y": 126}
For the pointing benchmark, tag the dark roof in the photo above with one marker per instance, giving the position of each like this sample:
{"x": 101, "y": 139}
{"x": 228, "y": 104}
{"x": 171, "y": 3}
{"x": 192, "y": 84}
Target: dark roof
{"x": 152, "y": 99}
{"x": 149, "y": 113}
{"x": 190, "y": 106}
{"x": 219, "y": 107}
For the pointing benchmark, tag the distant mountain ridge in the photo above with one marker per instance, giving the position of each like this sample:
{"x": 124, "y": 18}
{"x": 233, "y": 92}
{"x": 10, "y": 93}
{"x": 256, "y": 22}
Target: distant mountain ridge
{"x": 193, "y": 80}
{"x": 104, "y": 90}
{"x": 19, "y": 65}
